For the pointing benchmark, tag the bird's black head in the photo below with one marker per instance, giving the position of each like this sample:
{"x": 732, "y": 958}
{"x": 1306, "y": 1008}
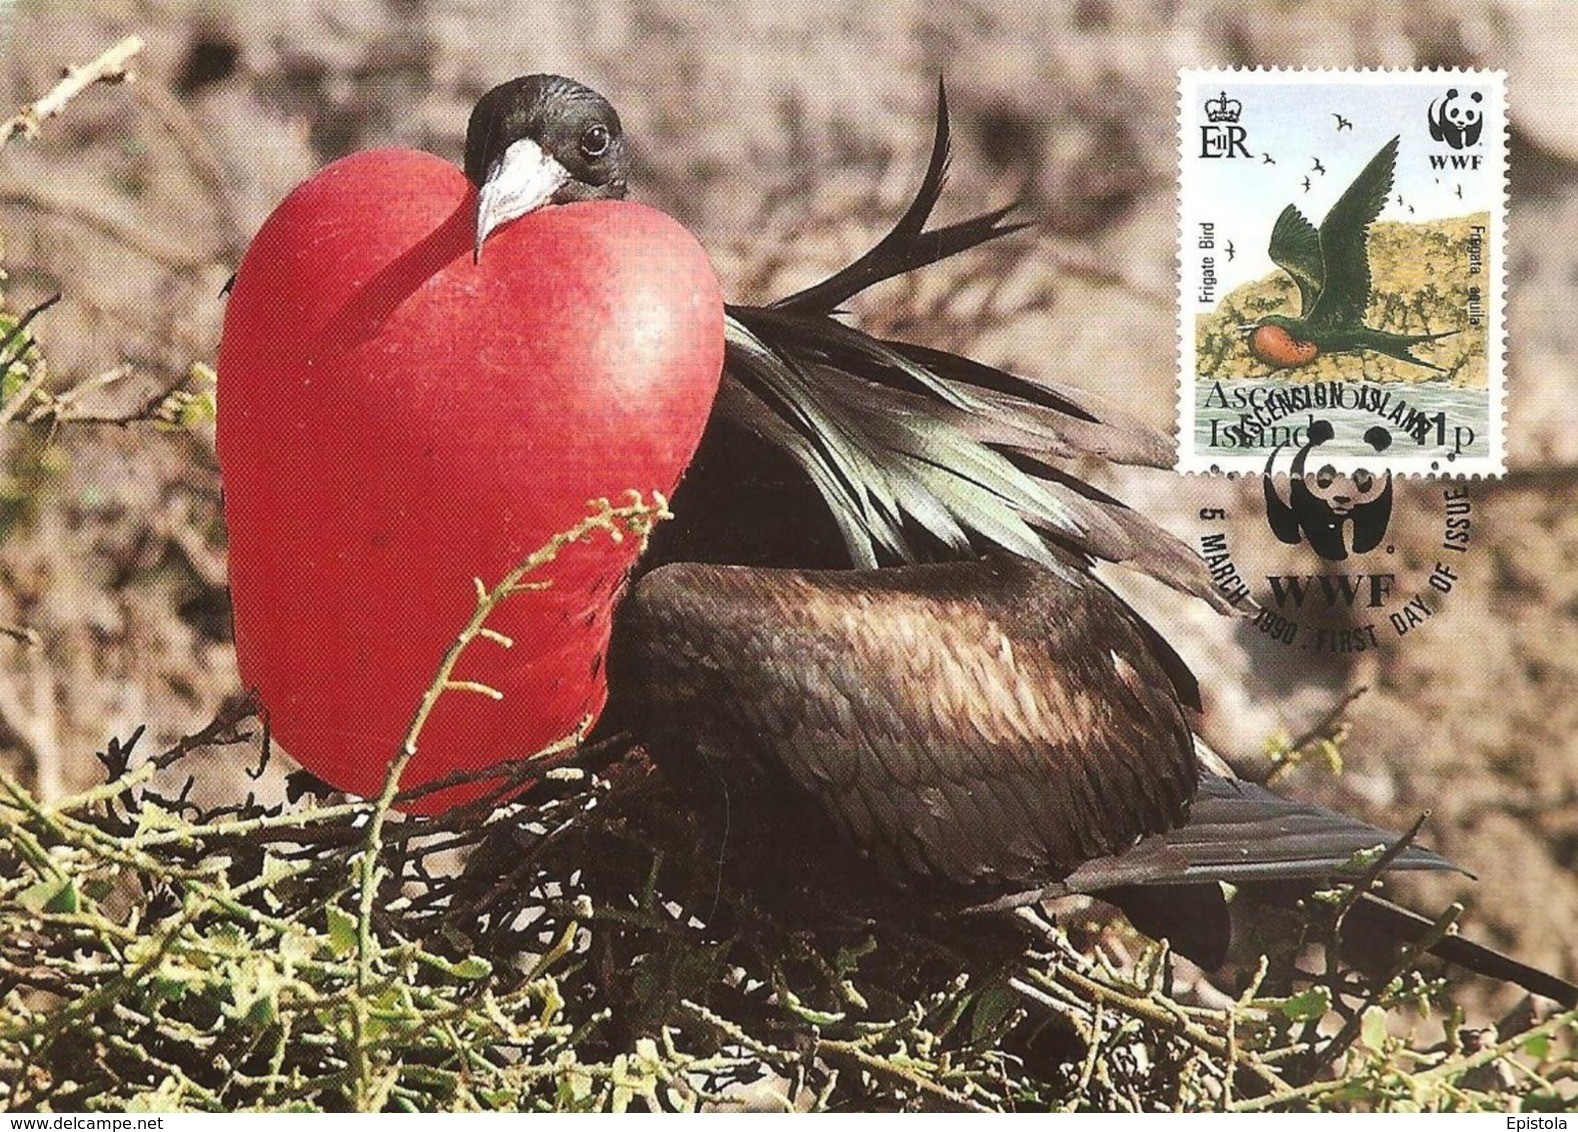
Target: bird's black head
{"x": 542, "y": 139}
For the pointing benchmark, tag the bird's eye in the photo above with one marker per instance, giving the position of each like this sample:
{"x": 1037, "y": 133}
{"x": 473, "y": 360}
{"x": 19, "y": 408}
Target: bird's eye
{"x": 594, "y": 143}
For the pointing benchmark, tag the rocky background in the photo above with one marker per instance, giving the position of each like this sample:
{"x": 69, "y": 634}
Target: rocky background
{"x": 786, "y": 137}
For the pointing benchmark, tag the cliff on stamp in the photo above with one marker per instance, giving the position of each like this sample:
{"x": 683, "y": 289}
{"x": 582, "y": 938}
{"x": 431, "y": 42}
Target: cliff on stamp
{"x": 1419, "y": 273}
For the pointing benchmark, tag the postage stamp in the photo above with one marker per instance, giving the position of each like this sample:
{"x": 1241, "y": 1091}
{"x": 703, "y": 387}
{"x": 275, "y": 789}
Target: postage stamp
{"x": 1341, "y": 262}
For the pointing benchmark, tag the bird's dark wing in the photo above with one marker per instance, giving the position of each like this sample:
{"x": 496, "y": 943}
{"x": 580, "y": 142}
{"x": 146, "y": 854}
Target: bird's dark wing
{"x": 1344, "y": 242}
{"x": 1240, "y": 832}
{"x": 996, "y": 726}
{"x": 977, "y": 727}
{"x": 912, "y": 453}
{"x": 982, "y": 735}
{"x": 1295, "y": 248}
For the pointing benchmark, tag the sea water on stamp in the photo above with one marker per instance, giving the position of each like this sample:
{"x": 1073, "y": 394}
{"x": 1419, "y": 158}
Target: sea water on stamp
{"x": 1341, "y": 256}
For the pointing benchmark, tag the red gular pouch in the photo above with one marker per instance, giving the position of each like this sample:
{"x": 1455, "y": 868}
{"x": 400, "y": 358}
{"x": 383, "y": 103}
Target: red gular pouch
{"x": 396, "y": 420}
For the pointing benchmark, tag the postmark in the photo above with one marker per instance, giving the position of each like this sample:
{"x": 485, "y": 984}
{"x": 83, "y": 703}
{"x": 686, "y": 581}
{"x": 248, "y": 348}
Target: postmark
{"x": 1341, "y": 563}
{"x": 1341, "y": 260}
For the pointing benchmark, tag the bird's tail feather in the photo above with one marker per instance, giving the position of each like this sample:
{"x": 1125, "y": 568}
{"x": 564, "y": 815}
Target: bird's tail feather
{"x": 1400, "y": 346}
{"x": 1196, "y": 920}
{"x": 1373, "y": 919}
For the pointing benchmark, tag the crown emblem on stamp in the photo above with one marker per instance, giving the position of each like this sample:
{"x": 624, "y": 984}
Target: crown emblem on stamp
{"x": 1223, "y": 108}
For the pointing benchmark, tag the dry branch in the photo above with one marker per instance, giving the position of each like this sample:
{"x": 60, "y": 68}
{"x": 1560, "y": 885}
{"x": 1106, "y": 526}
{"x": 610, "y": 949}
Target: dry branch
{"x": 112, "y": 66}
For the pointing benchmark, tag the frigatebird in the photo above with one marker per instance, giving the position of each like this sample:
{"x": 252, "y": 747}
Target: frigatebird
{"x": 1229, "y": 250}
{"x": 1319, "y": 168}
{"x": 1332, "y": 269}
{"x": 1267, "y": 159}
{"x": 953, "y": 700}
{"x": 1342, "y": 123}
{"x": 1306, "y": 184}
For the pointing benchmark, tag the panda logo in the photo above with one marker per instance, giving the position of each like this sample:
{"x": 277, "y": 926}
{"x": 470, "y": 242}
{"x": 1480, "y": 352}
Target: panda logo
{"x": 1456, "y": 120}
{"x": 1319, "y": 506}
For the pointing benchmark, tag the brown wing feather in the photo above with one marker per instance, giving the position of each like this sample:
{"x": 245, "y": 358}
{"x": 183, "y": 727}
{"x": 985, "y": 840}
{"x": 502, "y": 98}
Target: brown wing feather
{"x": 985, "y": 725}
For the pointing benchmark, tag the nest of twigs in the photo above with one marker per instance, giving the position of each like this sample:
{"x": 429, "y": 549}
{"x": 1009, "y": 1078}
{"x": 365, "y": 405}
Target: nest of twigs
{"x": 573, "y": 940}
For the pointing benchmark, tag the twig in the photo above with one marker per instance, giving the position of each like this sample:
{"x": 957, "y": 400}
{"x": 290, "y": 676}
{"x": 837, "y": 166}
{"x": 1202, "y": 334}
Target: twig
{"x": 1332, "y": 946}
{"x": 1159, "y": 1015}
{"x": 21, "y": 325}
{"x": 1367, "y": 880}
{"x": 218, "y": 731}
{"x": 59, "y": 405}
{"x": 1152, "y": 1008}
{"x": 1552, "y": 1025}
{"x": 200, "y": 156}
{"x": 639, "y": 518}
{"x": 854, "y": 1055}
{"x": 29, "y": 710}
{"x": 1324, "y": 728}
{"x": 112, "y": 66}
{"x": 1439, "y": 930}
{"x": 23, "y": 634}
{"x": 158, "y": 407}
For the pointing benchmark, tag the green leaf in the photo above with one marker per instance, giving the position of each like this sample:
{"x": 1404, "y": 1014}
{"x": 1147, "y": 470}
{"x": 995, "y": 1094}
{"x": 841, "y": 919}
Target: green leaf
{"x": 152, "y": 816}
{"x": 55, "y": 895}
{"x": 257, "y": 999}
{"x": 296, "y": 945}
{"x": 201, "y": 409}
{"x": 277, "y": 868}
{"x": 993, "y": 1007}
{"x": 471, "y": 967}
{"x": 499, "y": 1098}
{"x": 1372, "y": 1029}
{"x": 1307, "y": 1006}
{"x": 1363, "y": 859}
{"x": 342, "y": 931}
{"x": 170, "y": 988}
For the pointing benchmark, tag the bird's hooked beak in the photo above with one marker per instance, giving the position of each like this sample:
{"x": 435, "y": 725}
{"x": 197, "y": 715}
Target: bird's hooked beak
{"x": 1245, "y": 328}
{"x": 522, "y": 181}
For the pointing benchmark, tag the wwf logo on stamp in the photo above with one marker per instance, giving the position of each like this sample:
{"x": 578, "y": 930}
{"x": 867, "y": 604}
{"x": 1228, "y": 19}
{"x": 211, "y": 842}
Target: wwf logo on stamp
{"x": 1457, "y": 118}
